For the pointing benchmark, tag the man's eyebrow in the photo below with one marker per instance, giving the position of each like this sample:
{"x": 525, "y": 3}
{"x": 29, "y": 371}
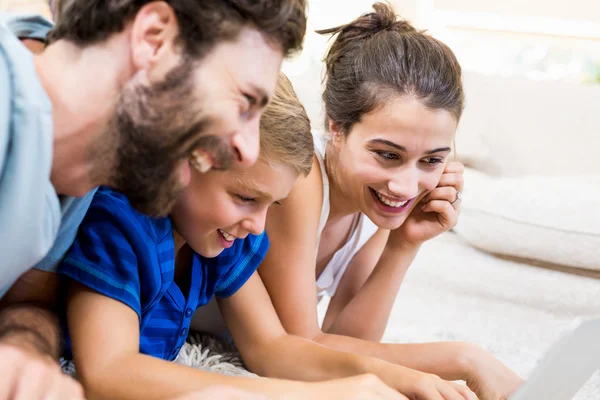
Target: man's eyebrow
{"x": 402, "y": 148}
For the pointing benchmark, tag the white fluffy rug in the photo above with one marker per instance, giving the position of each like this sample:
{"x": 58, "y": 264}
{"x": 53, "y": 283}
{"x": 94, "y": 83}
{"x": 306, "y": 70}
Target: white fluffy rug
{"x": 208, "y": 353}
{"x": 454, "y": 292}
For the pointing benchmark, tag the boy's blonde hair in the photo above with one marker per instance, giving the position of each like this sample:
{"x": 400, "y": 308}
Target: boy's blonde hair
{"x": 285, "y": 135}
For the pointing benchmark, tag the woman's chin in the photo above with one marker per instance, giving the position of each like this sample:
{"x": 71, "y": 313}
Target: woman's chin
{"x": 385, "y": 222}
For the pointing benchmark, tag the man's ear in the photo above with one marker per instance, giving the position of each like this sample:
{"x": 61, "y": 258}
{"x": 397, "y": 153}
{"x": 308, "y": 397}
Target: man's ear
{"x": 153, "y": 34}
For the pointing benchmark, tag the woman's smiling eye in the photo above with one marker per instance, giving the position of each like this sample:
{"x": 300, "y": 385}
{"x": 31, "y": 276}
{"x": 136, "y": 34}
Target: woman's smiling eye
{"x": 433, "y": 160}
{"x": 386, "y": 155}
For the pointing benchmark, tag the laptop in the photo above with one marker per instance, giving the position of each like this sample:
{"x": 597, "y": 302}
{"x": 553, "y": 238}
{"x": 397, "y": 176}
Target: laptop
{"x": 567, "y": 366}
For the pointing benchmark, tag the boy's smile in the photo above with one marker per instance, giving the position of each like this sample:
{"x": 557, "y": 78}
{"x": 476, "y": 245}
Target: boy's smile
{"x": 225, "y": 238}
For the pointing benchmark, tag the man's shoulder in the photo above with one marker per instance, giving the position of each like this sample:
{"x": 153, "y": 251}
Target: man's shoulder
{"x": 19, "y": 83}
{"x": 29, "y": 26}
{"x": 6, "y": 90}
{"x": 73, "y": 210}
{"x": 5, "y": 101}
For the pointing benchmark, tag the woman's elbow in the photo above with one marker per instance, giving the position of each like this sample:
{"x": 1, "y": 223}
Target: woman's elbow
{"x": 357, "y": 330}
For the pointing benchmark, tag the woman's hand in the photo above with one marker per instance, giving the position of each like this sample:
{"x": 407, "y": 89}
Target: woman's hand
{"x": 488, "y": 377}
{"x": 437, "y": 212}
{"x": 419, "y": 385}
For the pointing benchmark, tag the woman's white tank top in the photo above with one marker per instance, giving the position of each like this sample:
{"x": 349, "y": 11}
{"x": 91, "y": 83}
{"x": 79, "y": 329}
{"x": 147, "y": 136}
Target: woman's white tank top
{"x": 361, "y": 231}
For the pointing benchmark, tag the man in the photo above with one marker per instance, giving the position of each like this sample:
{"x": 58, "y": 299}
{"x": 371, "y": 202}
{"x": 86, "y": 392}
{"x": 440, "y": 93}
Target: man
{"x": 126, "y": 92}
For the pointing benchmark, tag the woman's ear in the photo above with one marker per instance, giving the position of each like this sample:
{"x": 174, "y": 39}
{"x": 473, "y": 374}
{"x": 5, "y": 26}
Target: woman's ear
{"x": 336, "y": 133}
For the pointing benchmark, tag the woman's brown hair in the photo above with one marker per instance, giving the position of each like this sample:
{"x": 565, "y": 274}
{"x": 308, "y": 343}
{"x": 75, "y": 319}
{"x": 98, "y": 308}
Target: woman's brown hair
{"x": 379, "y": 56}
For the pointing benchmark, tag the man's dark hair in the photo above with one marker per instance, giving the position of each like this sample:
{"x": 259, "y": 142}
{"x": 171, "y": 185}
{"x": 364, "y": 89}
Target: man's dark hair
{"x": 202, "y": 23}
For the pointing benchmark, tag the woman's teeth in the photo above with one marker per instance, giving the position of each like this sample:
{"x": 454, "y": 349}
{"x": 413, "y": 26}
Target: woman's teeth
{"x": 226, "y": 236}
{"x": 395, "y": 204}
{"x": 201, "y": 161}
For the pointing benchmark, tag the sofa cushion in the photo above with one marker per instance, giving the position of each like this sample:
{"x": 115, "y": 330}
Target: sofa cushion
{"x": 548, "y": 219}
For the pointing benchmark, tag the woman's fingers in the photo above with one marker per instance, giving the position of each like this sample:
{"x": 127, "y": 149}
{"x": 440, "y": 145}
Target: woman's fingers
{"x": 454, "y": 180}
{"x": 447, "y": 193}
{"x": 454, "y": 166}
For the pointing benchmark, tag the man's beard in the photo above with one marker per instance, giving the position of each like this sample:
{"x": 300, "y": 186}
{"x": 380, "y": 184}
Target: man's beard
{"x": 154, "y": 129}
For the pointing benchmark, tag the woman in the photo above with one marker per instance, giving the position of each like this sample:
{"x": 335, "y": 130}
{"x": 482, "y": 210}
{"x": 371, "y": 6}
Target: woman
{"x": 380, "y": 186}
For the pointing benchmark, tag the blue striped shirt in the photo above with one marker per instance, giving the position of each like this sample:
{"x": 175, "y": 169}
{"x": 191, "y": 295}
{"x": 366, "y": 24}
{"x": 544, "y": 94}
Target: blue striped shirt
{"x": 130, "y": 257}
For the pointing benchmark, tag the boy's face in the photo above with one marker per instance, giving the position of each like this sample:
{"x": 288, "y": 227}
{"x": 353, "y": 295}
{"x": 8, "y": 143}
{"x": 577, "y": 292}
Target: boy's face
{"x": 219, "y": 207}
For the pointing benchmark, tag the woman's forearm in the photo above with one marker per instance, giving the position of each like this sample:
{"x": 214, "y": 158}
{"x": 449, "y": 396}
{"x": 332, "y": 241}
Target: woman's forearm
{"x": 139, "y": 376}
{"x": 296, "y": 358}
{"x": 449, "y": 360}
{"x": 484, "y": 374}
{"x": 366, "y": 315}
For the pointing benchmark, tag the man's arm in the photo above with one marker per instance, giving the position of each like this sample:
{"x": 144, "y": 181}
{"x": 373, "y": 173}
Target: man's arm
{"x": 28, "y": 314}
{"x": 30, "y": 342}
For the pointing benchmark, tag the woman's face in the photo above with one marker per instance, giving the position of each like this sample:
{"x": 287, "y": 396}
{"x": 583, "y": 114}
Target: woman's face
{"x": 392, "y": 158}
{"x": 219, "y": 207}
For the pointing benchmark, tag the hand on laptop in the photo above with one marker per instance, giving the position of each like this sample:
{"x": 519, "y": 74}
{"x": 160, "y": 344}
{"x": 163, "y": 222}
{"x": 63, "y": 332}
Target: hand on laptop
{"x": 489, "y": 378}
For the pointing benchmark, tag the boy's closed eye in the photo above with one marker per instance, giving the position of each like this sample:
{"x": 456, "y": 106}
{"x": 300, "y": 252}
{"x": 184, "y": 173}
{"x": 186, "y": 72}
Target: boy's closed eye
{"x": 253, "y": 200}
{"x": 246, "y": 199}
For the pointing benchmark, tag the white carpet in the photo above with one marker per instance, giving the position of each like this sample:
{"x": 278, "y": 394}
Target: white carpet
{"x": 454, "y": 292}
